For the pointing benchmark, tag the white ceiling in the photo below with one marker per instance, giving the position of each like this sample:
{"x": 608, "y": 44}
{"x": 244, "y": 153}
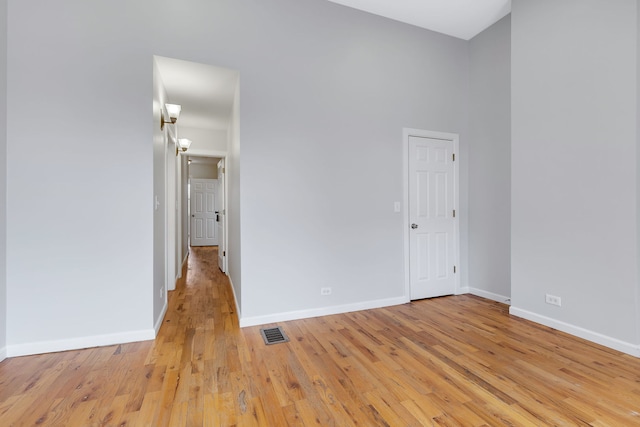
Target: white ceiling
{"x": 205, "y": 92}
{"x": 463, "y": 19}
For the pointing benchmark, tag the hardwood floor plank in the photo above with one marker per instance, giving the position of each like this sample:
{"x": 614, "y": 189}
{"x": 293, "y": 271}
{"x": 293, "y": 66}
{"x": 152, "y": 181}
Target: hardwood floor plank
{"x": 451, "y": 361}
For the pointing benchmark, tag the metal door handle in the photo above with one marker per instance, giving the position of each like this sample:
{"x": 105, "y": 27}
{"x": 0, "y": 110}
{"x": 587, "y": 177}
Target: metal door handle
{"x": 414, "y": 226}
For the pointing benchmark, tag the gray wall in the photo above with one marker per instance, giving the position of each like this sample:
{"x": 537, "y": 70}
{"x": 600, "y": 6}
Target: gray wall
{"x": 159, "y": 197}
{"x": 321, "y": 85}
{"x": 3, "y": 177}
{"x": 337, "y": 96}
{"x": 490, "y": 162}
{"x": 574, "y": 165}
{"x": 638, "y": 172}
{"x": 79, "y": 231}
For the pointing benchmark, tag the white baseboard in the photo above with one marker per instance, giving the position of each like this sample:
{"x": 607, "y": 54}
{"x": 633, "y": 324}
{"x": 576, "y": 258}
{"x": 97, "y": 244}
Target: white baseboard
{"x": 184, "y": 261}
{"x": 78, "y": 343}
{"x": 463, "y": 290}
{"x": 235, "y": 297}
{"x": 160, "y": 319}
{"x": 3, "y": 353}
{"x": 614, "y": 343}
{"x": 323, "y": 311}
{"x": 490, "y": 295}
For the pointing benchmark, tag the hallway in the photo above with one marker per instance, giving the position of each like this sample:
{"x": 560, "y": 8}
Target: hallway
{"x": 446, "y": 361}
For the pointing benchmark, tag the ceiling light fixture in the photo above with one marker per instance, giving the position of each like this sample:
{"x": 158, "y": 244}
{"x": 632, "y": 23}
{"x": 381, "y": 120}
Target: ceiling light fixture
{"x": 183, "y": 144}
{"x": 173, "y": 112}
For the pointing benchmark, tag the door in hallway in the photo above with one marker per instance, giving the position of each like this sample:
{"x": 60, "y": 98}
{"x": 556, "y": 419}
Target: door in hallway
{"x": 204, "y": 230}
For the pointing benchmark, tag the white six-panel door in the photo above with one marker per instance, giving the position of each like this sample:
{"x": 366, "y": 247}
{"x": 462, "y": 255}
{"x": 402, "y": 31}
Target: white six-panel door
{"x": 204, "y": 229}
{"x": 432, "y": 217}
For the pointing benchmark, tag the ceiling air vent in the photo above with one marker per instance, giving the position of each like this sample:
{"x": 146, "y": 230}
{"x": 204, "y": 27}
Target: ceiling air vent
{"x": 273, "y": 335}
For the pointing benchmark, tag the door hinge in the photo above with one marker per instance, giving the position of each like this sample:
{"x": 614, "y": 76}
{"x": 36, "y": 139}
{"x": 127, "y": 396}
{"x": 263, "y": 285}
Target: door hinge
{"x": 454, "y": 213}
{"x": 224, "y": 253}
{"x": 453, "y": 156}
{"x": 454, "y": 269}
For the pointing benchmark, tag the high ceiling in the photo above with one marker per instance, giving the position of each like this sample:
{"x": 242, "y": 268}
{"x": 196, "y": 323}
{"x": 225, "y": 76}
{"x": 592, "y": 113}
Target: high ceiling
{"x": 463, "y": 19}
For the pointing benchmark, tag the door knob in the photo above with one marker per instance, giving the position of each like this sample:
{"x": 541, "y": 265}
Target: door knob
{"x": 414, "y": 226}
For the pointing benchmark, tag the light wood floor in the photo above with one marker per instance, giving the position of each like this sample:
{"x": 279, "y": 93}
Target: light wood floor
{"x": 447, "y": 361}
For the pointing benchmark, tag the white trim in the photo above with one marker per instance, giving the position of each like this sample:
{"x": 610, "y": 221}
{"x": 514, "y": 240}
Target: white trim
{"x": 614, "y": 343}
{"x": 323, "y": 311}
{"x": 179, "y": 219}
{"x": 186, "y": 257}
{"x": 204, "y": 153}
{"x": 222, "y": 240}
{"x": 160, "y": 319}
{"x": 235, "y": 297}
{"x": 455, "y": 138}
{"x": 3, "y": 353}
{"x": 170, "y": 210}
{"x": 78, "y": 343}
{"x": 489, "y": 295}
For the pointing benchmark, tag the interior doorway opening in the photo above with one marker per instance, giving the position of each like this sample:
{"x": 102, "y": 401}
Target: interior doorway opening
{"x": 208, "y": 97}
{"x": 206, "y": 201}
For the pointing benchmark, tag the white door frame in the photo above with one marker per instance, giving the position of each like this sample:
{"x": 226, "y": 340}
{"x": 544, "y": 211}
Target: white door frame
{"x": 220, "y": 155}
{"x": 222, "y": 236}
{"x": 209, "y": 186}
{"x": 454, "y": 137}
{"x": 170, "y": 191}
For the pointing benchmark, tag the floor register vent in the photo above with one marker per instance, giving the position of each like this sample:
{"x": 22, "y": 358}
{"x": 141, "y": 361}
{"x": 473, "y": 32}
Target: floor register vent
{"x": 273, "y": 335}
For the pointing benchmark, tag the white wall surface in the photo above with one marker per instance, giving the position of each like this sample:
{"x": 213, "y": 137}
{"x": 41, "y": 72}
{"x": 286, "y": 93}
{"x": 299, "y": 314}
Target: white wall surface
{"x": 203, "y": 171}
{"x": 322, "y": 85}
{"x": 490, "y": 162}
{"x": 574, "y": 166}
{"x": 3, "y": 178}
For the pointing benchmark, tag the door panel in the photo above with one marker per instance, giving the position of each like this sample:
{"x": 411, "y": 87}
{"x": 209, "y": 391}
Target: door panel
{"x": 431, "y": 204}
{"x": 203, "y": 215}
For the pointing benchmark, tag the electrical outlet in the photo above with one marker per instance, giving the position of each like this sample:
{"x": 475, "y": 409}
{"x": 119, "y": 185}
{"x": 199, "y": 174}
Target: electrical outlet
{"x": 325, "y": 291}
{"x": 553, "y": 300}
{"x": 162, "y": 292}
